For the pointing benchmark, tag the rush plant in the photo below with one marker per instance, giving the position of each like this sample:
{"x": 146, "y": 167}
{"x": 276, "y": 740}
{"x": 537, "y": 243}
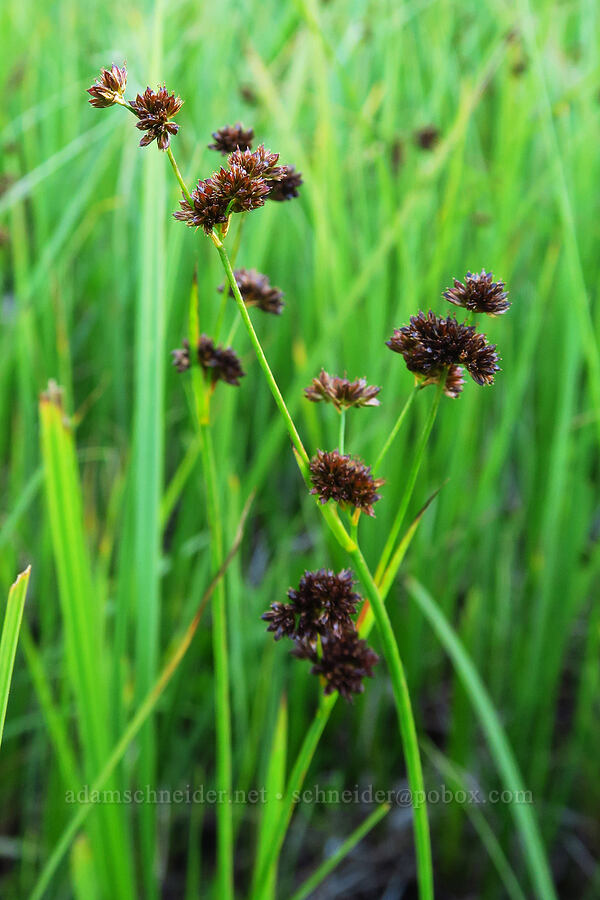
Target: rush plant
{"x": 327, "y": 620}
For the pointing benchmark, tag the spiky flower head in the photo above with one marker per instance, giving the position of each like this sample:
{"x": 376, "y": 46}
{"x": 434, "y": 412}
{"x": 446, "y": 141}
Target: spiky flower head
{"x": 345, "y": 479}
{"x": 109, "y": 87}
{"x": 207, "y": 209}
{"x": 218, "y": 363}
{"x": 286, "y": 188}
{"x": 341, "y": 392}
{"x": 154, "y": 110}
{"x": 256, "y": 290}
{"x": 324, "y": 602}
{"x": 260, "y": 163}
{"x": 242, "y": 191}
{"x": 232, "y": 137}
{"x": 431, "y": 345}
{"x": 479, "y": 294}
{"x": 344, "y": 661}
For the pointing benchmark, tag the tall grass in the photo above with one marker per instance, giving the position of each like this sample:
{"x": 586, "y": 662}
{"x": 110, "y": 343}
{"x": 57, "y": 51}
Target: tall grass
{"x": 111, "y": 511}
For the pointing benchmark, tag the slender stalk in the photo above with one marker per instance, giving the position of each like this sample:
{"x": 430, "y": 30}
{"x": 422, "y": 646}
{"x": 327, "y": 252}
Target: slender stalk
{"x": 342, "y": 430}
{"x": 410, "y": 484}
{"x": 401, "y": 694}
{"x": 393, "y": 433}
{"x": 262, "y": 359}
{"x": 178, "y": 176}
{"x": 221, "y": 661}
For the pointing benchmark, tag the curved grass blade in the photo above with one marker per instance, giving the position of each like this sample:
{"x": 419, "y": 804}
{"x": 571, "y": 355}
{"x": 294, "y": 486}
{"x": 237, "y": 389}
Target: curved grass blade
{"x": 501, "y": 750}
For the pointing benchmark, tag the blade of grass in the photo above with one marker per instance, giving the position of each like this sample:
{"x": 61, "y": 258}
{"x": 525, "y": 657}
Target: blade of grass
{"x": 274, "y": 787}
{"x": 10, "y": 637}
{"x": 500, "y": 748}
{"x": 327, "y": 867}
{"x": 144, "y": 710}
{"x": 83, "y": 629}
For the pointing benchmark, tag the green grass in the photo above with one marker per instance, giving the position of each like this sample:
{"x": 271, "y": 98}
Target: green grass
{"x": 106, "y": 498}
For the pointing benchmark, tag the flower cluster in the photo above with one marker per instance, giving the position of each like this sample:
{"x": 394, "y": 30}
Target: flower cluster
{"x": 318, "y": 618}
{"x": 109, "y": 87}
{"x": 286, "y": 187}
{"x": 217, "y": 363}
{"x": 241, "y": 187}
{"x": 232, "y": 137}
{"x": 433, "y": 348}
{"x": 479, "y": 294}
{"x": 155, "y": 109}
{"x": 341, "y": 392}
{"x": 345, "y": 479}
{"x": 256, "y": 290}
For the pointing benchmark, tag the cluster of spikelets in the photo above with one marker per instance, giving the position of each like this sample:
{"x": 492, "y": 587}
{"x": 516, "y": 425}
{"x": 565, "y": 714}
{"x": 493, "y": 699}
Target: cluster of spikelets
{"x": 318, "y": 618}
{"x": 437, "y": 350}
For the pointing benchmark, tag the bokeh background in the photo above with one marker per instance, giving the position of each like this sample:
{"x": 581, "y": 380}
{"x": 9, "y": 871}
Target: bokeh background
{"x": 96, "y": 280}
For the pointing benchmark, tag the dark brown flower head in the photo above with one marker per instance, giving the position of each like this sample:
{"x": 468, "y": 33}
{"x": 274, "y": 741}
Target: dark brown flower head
{"x": 241, "y": 190}
{"x": 345, "y": 661}
{"x": 323, "y": 603}
{"x": 218, "y": 363}
{"x": 258, "y": 164}
{"x": 208, "y": 208}
{"x": 344, "y": 479}
{"x": 109, "y": 87}
{"x": 342, "y": 392}
{"x": 232, "y": 137}
{"x": 154, "y": 110}
{"x": 430, "y": 345}
{"x": 256, "y": 290}
{"x": 426, "y": 138}
{"x": 479, "y": 294}
{"x": 286, "y": 188}
{"x": 181, "y": 357}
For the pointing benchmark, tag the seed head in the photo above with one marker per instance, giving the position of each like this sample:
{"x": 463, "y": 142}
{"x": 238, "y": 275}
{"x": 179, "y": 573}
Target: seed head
{"x": 426, "y": 138}
{"x": 345, "y": 660}
{"x": 256, "y": 290}
{"x": 344, "y": 479}
{"x": 218, "y": 363}
{"x": 479, "y": 294}
{"x": 431, "y": 345}
{"x": 341, "y": 392}
{"x": 109, "y": 87}
{"x": 324, "y": 602}
{"x": 208, "y": 207}
{"x": 241, "y": 190}
{"x": 232, "y": 137}
{"x": 287, "y": 186}
{"x": 154, "y": 110}
{"x": 258, "y": 164}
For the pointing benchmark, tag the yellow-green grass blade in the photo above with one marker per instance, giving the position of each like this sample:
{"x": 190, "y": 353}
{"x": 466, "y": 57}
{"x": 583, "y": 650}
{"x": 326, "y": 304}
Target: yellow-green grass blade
{"x": 10, "y": 637}
{"x": 83, "y": 631}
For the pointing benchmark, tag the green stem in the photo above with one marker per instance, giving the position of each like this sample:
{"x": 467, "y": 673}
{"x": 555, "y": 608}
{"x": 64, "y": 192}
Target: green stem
{"x": 401, "y": 694}
{"x": 410, "y": 484}
{"x": 262, "y": 359}
{"x": 222, "y": 704}
{"x": 179, "y": 177}
{"x": 342, "y": 430}
{"x": 393, "y": 433}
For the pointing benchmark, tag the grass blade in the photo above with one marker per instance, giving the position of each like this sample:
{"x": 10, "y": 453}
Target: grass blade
{"x": 10, "y": 637}
{"x": 500, "y": 748}
{"x": 340, "y": 854}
